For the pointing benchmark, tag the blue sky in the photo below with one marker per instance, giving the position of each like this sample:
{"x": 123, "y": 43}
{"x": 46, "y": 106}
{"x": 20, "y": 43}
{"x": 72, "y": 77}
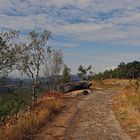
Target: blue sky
{"x": 98, "y": 32}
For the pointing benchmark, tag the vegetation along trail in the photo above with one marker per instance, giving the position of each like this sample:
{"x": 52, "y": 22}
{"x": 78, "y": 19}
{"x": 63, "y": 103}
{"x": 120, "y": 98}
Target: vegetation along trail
{"x": 91, "y": 118}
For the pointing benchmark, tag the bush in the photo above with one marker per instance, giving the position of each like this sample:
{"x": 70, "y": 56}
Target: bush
{"x": 23, "y": 124}
{"x": 12, "y": 103}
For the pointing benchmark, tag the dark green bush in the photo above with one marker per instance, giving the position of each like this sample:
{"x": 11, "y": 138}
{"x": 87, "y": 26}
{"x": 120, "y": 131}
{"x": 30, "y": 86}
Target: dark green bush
{"x": 12, "y": 103}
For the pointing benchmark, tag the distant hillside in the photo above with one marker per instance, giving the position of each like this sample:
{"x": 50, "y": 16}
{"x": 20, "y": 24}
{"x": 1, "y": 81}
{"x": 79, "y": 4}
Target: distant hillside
{"x": 11, "y": 84}
{"x": 129, "y": 70}
{"x": 74, "y": 78}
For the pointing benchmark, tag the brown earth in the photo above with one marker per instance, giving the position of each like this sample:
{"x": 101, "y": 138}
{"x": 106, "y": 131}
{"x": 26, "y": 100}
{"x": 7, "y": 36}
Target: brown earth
{"x": 85, "y": 118}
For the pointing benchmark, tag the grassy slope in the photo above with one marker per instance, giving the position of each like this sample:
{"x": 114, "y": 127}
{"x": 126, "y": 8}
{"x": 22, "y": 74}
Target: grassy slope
{"x": 12, "y": 103}
{"x": 126, "y": 107}
{"x": 126, "y": 104}
{"x": 25, "y": 122}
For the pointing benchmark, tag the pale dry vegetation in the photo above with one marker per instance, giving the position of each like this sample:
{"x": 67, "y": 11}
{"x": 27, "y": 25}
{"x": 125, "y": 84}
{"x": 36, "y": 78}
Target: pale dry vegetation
{"x": 22, "y": 125}
{"x": 127, "y": 108}
{"x": 109, "y": 83}
{"x": 126, "y": 104}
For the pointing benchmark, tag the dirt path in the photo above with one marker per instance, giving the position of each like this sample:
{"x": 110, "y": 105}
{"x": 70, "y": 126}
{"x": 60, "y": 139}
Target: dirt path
{"x": 87, "y": 118}
{"x": 95, "y": 120}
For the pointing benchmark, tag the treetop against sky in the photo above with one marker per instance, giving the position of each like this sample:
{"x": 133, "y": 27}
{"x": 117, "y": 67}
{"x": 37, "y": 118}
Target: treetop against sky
{"x": 98, "y": 32}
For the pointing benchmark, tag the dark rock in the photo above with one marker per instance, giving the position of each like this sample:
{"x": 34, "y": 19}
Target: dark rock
{"x": 75, "y": 86}
{"x": 85, "y": 92}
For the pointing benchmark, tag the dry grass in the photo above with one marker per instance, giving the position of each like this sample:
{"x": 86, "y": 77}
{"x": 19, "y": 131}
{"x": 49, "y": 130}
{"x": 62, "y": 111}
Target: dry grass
{"x": 127, "y": 109}
{"x": 97, "y": 84}
{"x": 109, "y": 83}
{"x": 116, "y": 81}
{"x": 25, "y": 123}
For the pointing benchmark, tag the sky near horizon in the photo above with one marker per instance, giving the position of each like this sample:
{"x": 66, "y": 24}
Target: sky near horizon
{"x": 98, "y": 32}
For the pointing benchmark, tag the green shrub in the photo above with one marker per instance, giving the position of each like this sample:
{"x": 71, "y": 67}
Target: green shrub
{"x": 12, "y": 103}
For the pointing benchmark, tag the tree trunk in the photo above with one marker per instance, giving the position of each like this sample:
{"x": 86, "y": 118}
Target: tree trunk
{"x": 34, "y": 92}
{"x": 34, "y": 96}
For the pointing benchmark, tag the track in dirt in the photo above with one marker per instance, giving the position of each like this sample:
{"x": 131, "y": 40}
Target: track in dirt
{"x": 95, "y": 120}
{"x": 87, "y": 118}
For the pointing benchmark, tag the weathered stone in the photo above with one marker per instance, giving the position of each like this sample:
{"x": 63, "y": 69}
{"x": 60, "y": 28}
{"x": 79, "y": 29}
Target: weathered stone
{"x": 75, "y": 86}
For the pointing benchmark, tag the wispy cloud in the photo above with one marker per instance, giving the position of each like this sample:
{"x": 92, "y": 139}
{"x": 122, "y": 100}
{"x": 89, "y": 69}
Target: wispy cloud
{"x": 97, "y": 20}
{"x": 113, "y": 21}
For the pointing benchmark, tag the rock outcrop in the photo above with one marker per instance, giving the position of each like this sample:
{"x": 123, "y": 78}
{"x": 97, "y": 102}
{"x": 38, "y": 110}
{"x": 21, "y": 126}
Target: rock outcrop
{"x": 75, "y": 86}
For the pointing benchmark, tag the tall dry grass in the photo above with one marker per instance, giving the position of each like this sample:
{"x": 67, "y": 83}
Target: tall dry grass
{"x": 109, "y": 83}
{"x": 127, "y": 108}
{"x": 22, "y": 125}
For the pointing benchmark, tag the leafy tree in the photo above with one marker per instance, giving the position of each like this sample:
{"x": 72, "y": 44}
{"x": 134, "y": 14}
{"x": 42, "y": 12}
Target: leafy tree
{"x": 84, "y": 73}
{"x": 98, "y": 76}
{"x": 66, "y": 74}
{"x": 31, "y": 57}
{"x": 121, "y": 65}
{"x": 53, "y": 67}
{"x": 7, "y": 52}
{"x": 4, "y": 80}
{"x": 129, "y": 70}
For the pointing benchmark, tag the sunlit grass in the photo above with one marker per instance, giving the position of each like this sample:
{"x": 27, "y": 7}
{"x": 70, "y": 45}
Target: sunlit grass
{"x": 126, "y": 106}
{"x": 109, "y": 83}
{"x": 25, "y": 123}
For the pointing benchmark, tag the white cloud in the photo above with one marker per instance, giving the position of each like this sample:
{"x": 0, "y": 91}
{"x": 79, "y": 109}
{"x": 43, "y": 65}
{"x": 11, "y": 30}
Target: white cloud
{"x": 63, "y": 45}
{"x": 94, "y": 20}
{"x": 113, "y": 21}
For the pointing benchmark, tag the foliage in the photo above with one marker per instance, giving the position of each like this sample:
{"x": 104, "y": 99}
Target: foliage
{"x": 12, "y": 103}
{"x": 22, "y": 125}
{"x": 129, "y": 70}
{"x": 66, "y": 74}
{"x": 7, "y": 52}
{"x": 53, "y": 67}
{"x": 31, "y": 57}
{"x": 3, "y": 80}
{"x": 16, "y": 116}
{"x": 85, "y": 73}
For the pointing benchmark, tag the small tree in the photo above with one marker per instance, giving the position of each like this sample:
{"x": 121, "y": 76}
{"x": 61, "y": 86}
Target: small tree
{"x": 31, "y": 57}
{"x": 66, "y": 74}
{"x": 7, "y": 52}
{"x": 53, "y": 67}
{"x": 85, "y": 73}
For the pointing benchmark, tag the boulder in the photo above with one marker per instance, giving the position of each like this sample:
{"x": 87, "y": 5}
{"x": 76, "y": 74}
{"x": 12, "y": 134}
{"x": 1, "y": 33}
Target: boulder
{"x": 74, "y": 86}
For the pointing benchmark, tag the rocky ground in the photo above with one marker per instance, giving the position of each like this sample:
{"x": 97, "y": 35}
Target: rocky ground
{"x": 85, "y": 118}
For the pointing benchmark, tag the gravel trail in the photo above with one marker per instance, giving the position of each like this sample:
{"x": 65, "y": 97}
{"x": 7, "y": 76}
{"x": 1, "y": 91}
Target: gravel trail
{"x": 87, "y": 117}
{"x": 95, "y": 120}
